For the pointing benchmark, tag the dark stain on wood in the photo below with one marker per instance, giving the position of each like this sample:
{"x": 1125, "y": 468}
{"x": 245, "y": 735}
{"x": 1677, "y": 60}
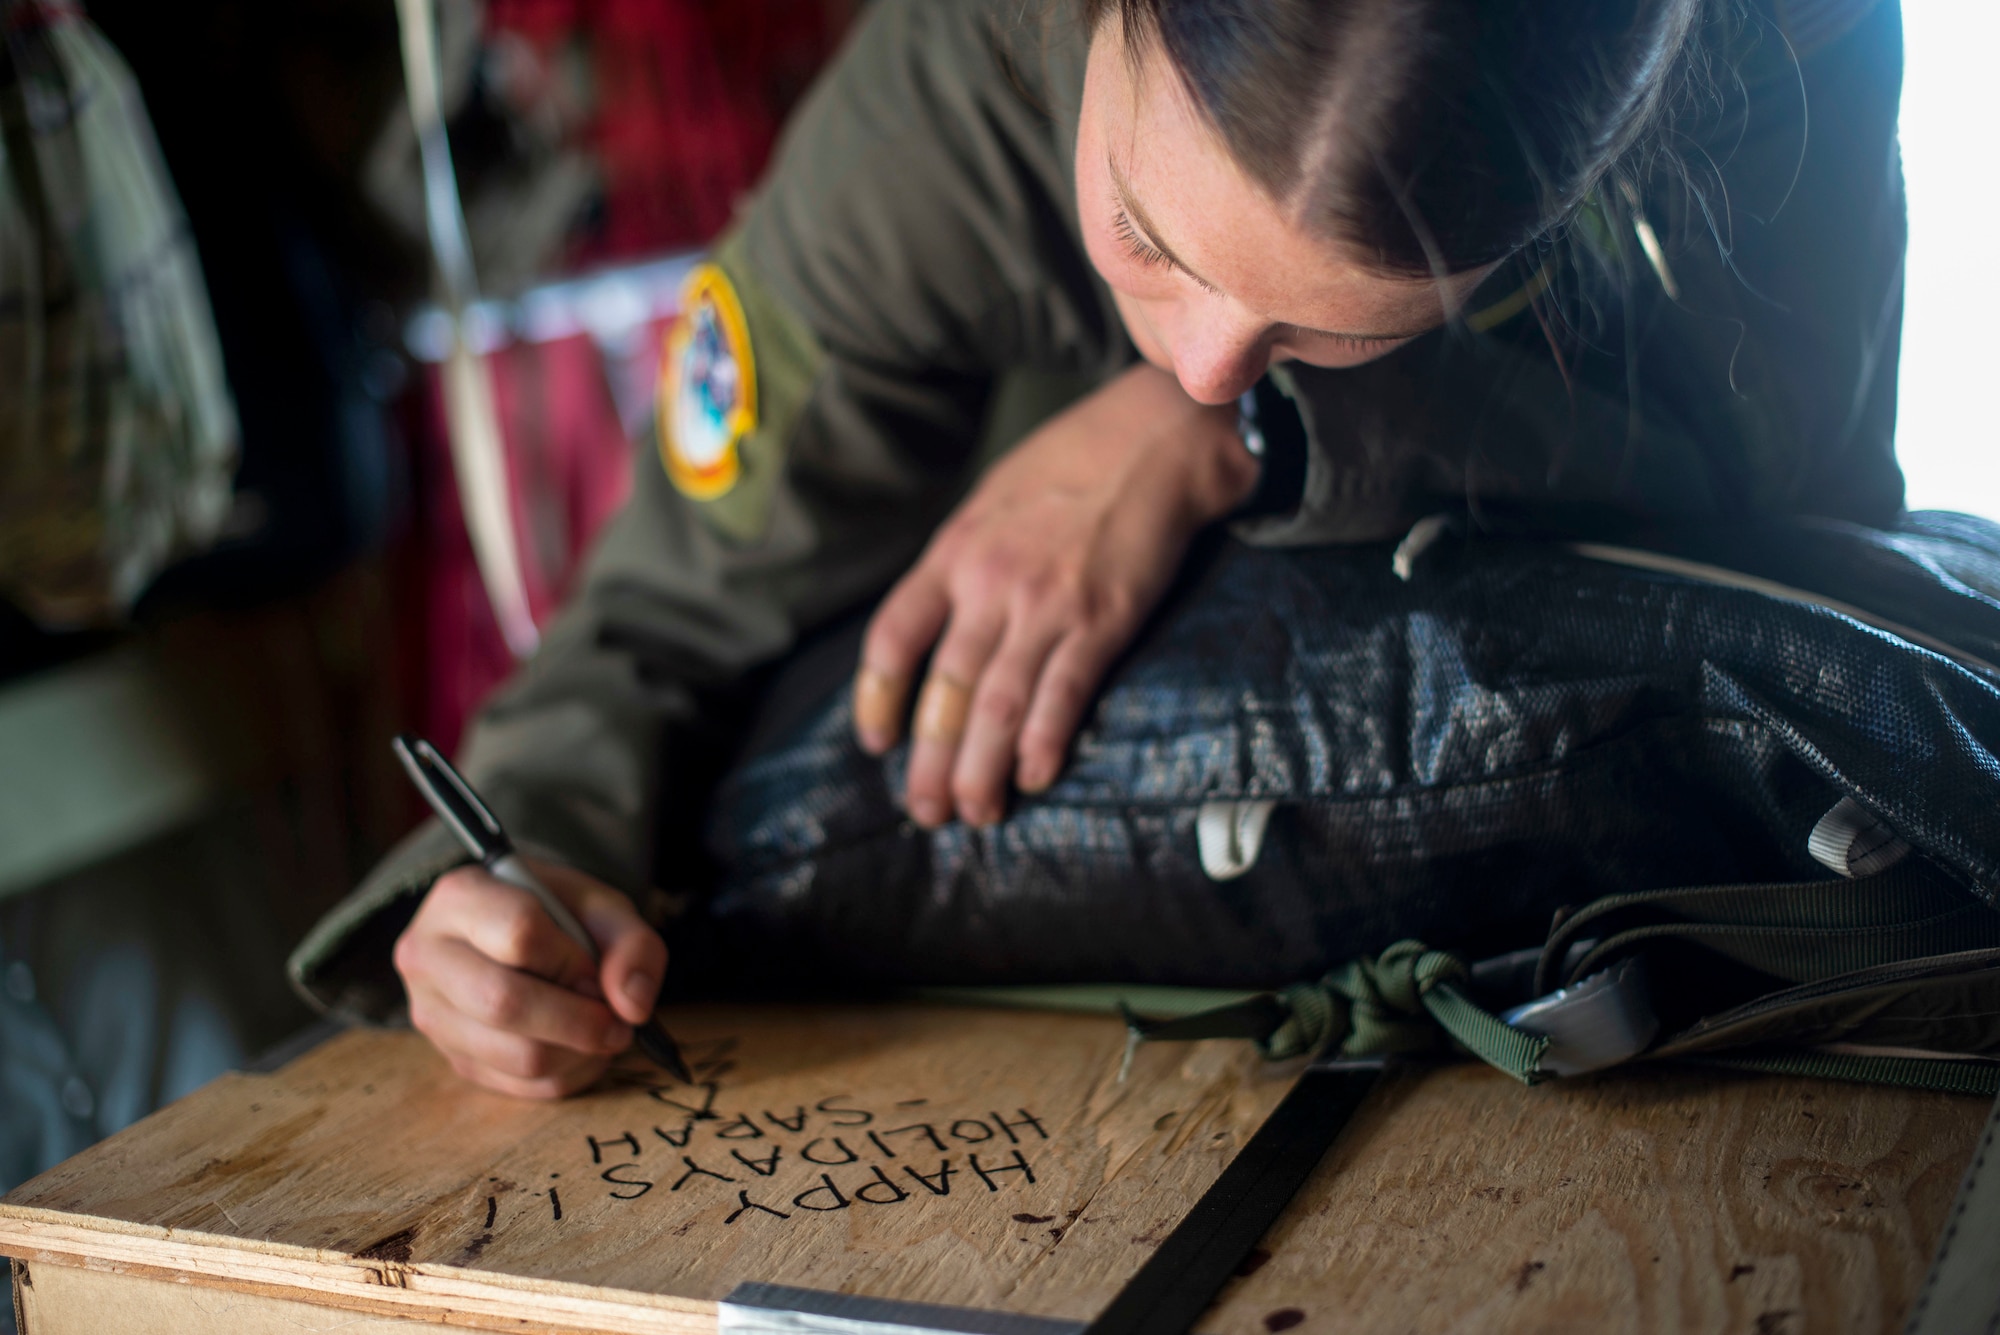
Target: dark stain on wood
{"x": 396, "y": 1247}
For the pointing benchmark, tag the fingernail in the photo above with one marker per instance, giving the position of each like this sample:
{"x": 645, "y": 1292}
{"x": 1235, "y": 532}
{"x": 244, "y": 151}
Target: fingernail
{"x": 928, "y": 814}
{"x": 874, "y": 740}
{"x": 640, "y": 990}
{"x": 1034, "y": 778}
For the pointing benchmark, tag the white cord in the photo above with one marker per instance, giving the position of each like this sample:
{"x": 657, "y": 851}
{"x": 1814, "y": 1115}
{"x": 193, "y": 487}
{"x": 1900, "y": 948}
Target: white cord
{"x": 472, "y": 419}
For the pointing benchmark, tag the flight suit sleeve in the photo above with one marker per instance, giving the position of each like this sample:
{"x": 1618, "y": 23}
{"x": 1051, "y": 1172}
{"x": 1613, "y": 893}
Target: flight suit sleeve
{"x": 900, "y": 253}
{"x": 1750, "y": 371}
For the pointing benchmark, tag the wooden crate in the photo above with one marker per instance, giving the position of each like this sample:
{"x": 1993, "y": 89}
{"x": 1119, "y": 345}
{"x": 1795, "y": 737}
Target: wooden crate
{"x": 982, "y": 1159}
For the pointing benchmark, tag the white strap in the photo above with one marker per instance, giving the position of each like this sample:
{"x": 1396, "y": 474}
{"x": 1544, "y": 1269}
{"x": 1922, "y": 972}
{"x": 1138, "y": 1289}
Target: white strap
{"x": 478, "y": 454}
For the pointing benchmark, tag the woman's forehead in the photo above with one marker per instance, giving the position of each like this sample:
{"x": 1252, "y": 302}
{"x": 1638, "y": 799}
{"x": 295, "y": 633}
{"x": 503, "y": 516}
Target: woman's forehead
{"x": 1165, "y": 158}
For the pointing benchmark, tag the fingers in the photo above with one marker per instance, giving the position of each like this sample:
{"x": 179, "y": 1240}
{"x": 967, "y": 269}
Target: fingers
{"x": 900, "y": 634}
{"x": 984, "y": 685}
{"x": 454, "y": 976}
{"x": 1066, "y": 541}
{"x": 879, "y": 699}
{"x": 499, "y": 1059}
{"x": 944, "y": 708}
{"x": 985, "y": 760}
{"x": 509, "y": 927}
{"x": 1063, "y": 693}
{"x": 634, "y": 957}
{"x": 508, "y": 998}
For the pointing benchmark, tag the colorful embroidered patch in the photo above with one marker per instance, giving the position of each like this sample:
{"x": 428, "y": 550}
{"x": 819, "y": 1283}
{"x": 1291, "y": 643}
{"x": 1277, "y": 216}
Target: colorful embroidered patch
{"x": 708, "y": 388}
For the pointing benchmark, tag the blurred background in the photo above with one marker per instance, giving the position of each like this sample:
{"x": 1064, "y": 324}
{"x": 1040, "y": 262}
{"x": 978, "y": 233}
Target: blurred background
{"x": 232, "y": 558}
{"x": 201, "y": 661}
{"x": 1947, "y": 432}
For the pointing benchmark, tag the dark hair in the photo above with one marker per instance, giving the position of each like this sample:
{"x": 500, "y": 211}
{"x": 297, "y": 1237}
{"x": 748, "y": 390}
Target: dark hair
{"x": 1434, "y": 135}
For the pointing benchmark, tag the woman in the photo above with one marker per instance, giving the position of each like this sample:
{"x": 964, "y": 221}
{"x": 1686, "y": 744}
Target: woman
{"x": 1545, "y": 265}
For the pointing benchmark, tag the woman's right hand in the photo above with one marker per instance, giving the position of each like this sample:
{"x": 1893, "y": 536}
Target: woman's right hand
{"x": 1035, "y": 584}
{"x": 509, "y": 999}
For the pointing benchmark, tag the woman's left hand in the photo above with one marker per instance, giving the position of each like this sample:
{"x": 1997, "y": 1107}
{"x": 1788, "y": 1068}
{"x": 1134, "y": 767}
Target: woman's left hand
{"x": 1036, "y": 583}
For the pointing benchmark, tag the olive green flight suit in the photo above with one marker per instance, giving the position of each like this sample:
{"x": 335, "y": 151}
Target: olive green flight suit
{"x": 916, "y": 242}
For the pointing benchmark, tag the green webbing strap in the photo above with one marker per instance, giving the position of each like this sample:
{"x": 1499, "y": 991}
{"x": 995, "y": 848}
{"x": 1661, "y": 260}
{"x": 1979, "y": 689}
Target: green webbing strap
{"x": 1947, "y": 1076}
{"x": 1406, "y": 1001}
{"x": 1093, "y": 998}
{"x": 1394, "y": 1004}
{"x": 1410, "y": 1000}
{"x": 1808, "y": 954}
{"x": 1963, "y": 1290}
{"x": 1487, "y": 1036}
{"x": 1903, "y": 891}
{"x": 1800, "y": 932}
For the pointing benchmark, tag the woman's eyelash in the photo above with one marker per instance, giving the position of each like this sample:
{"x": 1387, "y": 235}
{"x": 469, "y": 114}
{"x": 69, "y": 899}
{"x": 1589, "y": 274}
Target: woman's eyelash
{"x": 1135, "y": 245}
{"x": 1345, "y": 340}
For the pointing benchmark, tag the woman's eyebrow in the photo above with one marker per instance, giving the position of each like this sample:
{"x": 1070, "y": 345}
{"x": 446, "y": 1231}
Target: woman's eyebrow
{"x": 1151, "y": 234}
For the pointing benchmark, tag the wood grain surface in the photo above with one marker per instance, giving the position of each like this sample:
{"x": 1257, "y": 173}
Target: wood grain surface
{"x": 1647, "y": 1200}
{"x": 73, "y": 1300}
{"x": 949, "y": 1155}
{"x": 366, "y": 1178}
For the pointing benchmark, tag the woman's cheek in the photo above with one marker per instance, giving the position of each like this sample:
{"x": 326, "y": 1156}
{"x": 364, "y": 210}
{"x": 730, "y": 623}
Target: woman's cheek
{"x": 1146, "y": 336}
{"x": 1154, "y": 284}
{"x": 1145, "y": 295}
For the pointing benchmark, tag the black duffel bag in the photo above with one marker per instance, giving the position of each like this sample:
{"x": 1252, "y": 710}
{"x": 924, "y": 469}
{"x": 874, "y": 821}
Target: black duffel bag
{"x": 1312, "y": 754}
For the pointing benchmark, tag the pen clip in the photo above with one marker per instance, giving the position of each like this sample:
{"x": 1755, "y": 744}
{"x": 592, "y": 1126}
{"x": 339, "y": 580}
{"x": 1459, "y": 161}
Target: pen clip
{"x": 452, "y": 798}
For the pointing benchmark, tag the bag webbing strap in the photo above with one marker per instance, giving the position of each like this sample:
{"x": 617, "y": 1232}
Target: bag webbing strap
{"x": 1807, "y": 955}
{"x": 1800, "y": 932}
{"x": 1963, "y": 1290}
{"x": 1406, "y": 1000}
{"x": 1971, "y": 1076}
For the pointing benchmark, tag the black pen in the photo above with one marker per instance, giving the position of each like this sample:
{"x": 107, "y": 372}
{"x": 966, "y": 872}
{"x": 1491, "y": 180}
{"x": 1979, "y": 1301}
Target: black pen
{"x": 462, "y": 812}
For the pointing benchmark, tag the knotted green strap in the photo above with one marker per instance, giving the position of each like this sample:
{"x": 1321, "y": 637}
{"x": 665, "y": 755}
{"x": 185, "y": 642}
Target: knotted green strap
{"x": 1407, "y": 1000}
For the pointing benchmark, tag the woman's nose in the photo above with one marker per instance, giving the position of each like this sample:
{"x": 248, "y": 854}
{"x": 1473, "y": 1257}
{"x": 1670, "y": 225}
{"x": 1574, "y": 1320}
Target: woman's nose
{"x": 1220, "y": 356}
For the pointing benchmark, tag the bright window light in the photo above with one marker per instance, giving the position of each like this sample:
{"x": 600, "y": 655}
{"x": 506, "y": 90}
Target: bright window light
{"x": 1948, "y": 414}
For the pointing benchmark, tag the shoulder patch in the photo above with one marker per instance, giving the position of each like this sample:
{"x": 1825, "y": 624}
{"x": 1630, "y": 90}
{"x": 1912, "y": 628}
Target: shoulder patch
{"x": 708, "y": 388}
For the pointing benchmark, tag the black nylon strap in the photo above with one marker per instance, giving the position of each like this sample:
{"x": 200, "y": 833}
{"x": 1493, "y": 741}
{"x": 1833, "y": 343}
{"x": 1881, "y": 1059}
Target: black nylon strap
{"x": 1171, "y": 1291}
